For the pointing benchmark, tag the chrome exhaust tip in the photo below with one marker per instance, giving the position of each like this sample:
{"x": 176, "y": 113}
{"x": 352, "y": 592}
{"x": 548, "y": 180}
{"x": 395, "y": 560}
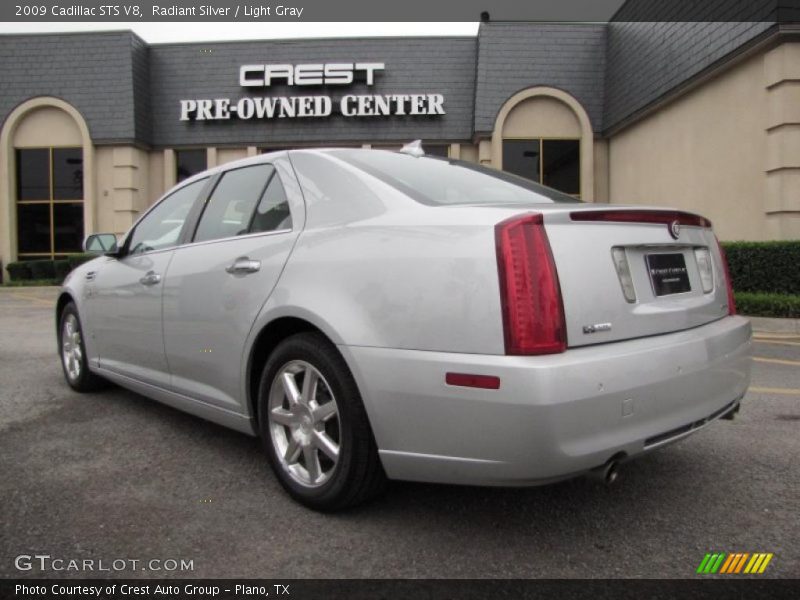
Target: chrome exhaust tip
{"x": 606, "y": 474}
{"x": 611, "y": 473}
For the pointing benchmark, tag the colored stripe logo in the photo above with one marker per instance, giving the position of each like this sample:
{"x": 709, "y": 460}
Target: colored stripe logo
{"x": 735, "y": 563}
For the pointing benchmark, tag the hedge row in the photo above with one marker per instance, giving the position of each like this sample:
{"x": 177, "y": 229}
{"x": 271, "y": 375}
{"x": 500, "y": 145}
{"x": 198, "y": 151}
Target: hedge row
{"x": 28, "y": 270}
{"x": 764, "y": 266}
{"x": 760, "y": 304}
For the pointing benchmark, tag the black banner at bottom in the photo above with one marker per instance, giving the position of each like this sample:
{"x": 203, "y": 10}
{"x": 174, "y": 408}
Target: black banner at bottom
{"x": 390, "y": 589}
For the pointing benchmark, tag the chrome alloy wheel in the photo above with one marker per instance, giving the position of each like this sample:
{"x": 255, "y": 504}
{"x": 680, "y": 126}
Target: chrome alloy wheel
{"x": 304, "y": 423}
{"x": 71, "y": 349}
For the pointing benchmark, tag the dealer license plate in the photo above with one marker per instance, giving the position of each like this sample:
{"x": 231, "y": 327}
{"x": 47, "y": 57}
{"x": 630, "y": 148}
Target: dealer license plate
{"x": 668, "y": 273}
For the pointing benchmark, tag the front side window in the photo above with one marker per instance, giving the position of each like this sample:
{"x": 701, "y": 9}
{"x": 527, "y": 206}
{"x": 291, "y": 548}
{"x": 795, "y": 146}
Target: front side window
{"x": 246, "y": 200}
{"x": 49, "y": 184}
{"x": 552, "y": 162}
{"x": 188, "y": 163}
{"x": 161, "y": 227}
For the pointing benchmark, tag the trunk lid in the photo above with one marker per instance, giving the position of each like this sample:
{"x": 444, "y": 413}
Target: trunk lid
{"x": 666, "y": 272}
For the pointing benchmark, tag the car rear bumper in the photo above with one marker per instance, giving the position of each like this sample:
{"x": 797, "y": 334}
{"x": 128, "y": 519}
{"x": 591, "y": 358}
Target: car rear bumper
{"x": 554, "y": 416}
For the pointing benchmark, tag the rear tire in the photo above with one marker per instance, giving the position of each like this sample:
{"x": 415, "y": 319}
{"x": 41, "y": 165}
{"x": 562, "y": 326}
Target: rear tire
{"x": 314, "y": 427}
{"x": 72, "y": 351}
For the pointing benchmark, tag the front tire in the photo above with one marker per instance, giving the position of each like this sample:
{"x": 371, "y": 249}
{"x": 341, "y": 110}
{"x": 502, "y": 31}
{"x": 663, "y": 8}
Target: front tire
{"x": 72, "y": 351}
{"x": 314, "y": 427}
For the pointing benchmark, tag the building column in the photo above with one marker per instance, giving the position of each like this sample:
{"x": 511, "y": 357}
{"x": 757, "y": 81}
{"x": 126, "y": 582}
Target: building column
{"x": 782, "y": 194}
{"x": 485, "y": 153}
{"x": 170, "y": 177}
{"x": 128, "y": 187}
{"x": 211, "y": 157}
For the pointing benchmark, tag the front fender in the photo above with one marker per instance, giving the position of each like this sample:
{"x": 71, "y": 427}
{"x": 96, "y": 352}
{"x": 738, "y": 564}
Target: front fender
{"x": 77, "y": 287}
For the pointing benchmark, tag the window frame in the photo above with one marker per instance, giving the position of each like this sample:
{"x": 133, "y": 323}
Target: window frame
{"x": 541, "y": 141}
{"x": 210, "y": 192}
{"x": 53, "y": 254}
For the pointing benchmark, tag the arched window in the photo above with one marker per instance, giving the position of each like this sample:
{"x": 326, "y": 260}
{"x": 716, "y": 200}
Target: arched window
{"x": 49, "y": 201}
{"x": 544, "y": 134}
{"x": 46, "y": 171}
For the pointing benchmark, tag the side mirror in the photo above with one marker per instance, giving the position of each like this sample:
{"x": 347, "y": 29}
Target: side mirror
{"x": 100, "y": 243}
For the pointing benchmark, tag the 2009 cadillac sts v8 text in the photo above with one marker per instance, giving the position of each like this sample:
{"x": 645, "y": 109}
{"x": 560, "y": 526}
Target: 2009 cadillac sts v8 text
{"x": 375, "y": 315}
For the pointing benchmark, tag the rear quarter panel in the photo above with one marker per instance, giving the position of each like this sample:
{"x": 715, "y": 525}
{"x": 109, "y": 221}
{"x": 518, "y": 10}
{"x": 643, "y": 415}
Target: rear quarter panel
{"x": 431, "y": 287}
{"x": 375, "y": 268}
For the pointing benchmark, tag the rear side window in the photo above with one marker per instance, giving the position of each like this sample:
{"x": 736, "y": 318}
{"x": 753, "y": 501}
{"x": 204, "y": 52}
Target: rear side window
{"x": 230, "y": 209}
{"x": 272, "y": 212}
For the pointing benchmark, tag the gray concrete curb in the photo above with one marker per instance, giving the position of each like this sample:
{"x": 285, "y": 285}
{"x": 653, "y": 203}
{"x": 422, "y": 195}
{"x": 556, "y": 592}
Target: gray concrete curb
{"x": 768, "y": 325}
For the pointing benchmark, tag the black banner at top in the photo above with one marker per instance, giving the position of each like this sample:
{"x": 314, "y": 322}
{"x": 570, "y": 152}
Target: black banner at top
{"x": 126, "y": 11}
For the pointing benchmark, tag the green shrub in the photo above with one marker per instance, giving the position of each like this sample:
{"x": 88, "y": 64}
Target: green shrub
{"x": 760, "y": 304}
{"x": 764, "y": 266}
{"x": 61, "y": 268}
{"x": 42, "y": 269}
{"x": 19, "y": 271}
{"x": 79, "y": 259}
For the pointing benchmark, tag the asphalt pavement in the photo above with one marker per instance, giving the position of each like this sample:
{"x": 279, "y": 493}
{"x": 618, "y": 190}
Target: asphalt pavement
{"x": 113, "y": 476}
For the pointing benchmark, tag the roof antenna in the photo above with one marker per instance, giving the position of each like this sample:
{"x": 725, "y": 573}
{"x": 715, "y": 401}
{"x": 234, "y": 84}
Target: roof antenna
{"x": 485, "y": 18}
{"x": 413, "y": 149}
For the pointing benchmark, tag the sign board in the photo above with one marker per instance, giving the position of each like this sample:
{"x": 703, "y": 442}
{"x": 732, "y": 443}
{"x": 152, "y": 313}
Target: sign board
{"x": 301, "y": 106}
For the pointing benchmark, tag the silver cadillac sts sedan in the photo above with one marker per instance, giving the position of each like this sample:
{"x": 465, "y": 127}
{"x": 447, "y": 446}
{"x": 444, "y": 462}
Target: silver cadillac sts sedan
{"x": 374, "y": 315}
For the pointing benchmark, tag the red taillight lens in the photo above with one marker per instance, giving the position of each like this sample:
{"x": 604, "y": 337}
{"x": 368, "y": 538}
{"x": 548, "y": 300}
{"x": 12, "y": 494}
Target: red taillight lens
{"x": 728, "y": 280}
{"x": 533, "y": 314}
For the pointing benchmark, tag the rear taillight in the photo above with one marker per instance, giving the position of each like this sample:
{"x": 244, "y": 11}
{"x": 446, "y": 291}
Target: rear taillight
{"x": 533, "y": 314}
{"x": 728, "y": 281}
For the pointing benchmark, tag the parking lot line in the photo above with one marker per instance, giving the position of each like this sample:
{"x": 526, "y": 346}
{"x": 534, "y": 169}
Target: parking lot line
{"x": 779, "y": 342}
{"x": 774, "y": 335}
{"x": 777, "y": 361}
{"x": 781, "y": 391}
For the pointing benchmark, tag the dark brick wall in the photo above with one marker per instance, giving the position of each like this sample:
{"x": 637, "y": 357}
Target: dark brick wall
{"x": 647, "y": 59}
{"x": 696, "y": 11}
{"x": 90, "y": 71}
{"x": 514, "y": 56}
{"x": 439, "y": 65}
{"x": 140, "y": 63}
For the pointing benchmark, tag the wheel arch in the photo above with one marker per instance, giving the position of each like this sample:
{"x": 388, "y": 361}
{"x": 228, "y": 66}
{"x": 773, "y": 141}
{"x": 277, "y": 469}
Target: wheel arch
{"x": 268, "y": 338}
{"x": 64, "y": 298}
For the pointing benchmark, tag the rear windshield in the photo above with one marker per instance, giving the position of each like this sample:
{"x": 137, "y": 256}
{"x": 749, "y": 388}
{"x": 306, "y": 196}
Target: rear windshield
{"x": 442, "y": 181}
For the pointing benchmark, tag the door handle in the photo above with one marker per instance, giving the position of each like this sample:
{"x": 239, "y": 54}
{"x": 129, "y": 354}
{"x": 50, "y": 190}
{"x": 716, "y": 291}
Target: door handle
{"x": 150, "y": 278}
{"x": 243, "y": 265}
